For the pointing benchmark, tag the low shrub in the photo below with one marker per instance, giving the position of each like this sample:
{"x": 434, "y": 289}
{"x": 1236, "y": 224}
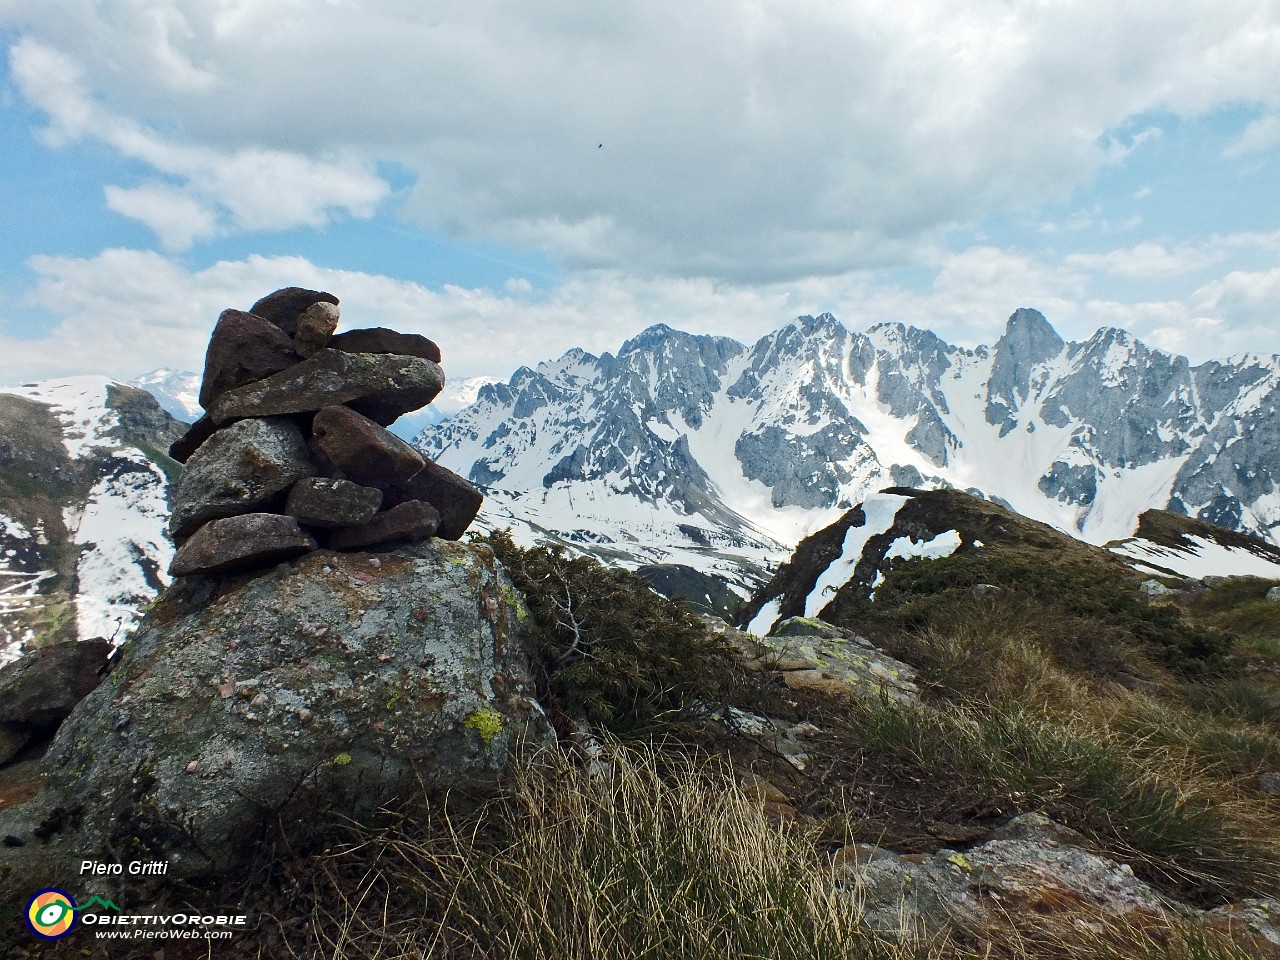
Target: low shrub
{"x": 611, "y": 650}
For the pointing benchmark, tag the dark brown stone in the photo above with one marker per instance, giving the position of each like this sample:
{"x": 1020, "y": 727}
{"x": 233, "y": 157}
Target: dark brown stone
{"x": 39, "y": 690}
{"x": 243, "y": 349}
{"x": 187, "y": 444}
{"x": 243, "y": 468}
{"x": 456, "y": 499}
{"x": 240, "y": 543}
{"x": 363, "y": 452}
{"x": 405, "y": 522}
{"x": 380, "y": 386}
{"x": 11, "y": 742}
{"x": 325, "y": 502}
{"x": 382, "y": 340}
{"x": 315, "y": 328}
{"x": 285, "y": 306}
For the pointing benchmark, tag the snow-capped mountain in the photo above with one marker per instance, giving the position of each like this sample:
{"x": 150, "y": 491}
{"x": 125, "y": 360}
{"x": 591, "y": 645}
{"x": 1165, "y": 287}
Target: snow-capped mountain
{"x": 177, "y": 391}
{"x": 84, "y": 477}
{"x": 703, "y": 451}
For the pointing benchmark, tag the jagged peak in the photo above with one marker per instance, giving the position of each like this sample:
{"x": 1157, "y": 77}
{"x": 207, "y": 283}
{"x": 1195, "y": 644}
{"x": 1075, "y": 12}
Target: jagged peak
{"x": 649, "y": 337}
{"x": 822, "y": 323}
{"x": 1030, "y": 333}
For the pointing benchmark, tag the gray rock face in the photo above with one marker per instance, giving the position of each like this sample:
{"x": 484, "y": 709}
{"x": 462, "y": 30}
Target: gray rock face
{"x": 1070, "y": 484}
{"x": 240, "y": 708}
{"x": 240, "y": 469}
{"x": 242, "y": 542}
{"x": 1028, "y": 342}
{"x": 802, "y": 471}
{"x": 380, "y": 386}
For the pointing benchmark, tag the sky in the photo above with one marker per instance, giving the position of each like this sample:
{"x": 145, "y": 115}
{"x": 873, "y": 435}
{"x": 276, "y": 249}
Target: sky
{"x": 513, "y": 179}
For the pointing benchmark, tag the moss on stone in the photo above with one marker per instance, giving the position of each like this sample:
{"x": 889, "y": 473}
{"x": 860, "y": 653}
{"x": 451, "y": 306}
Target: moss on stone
{"x": 487, "y": 722}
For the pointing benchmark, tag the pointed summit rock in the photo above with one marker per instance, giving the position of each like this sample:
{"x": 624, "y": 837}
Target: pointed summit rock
{"x": 1029, "y": 339}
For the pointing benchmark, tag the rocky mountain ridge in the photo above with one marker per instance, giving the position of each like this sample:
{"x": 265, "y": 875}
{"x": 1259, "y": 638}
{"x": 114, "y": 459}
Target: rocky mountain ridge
{"x": 704, "y": 453}
{"x": 84, "y": 483}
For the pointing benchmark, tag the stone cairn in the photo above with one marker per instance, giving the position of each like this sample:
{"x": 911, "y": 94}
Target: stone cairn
{"x": 292, "y": 453}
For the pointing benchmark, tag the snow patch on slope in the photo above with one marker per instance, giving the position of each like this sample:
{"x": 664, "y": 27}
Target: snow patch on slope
{"x": 80, "y": 404}
{"x": 879, "y": 511}
{"x": 1200, "y": 558}
{"x": 127, "y": 553}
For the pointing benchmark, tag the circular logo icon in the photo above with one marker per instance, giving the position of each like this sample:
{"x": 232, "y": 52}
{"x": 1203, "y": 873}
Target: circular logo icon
{"x": 51, "y": 914}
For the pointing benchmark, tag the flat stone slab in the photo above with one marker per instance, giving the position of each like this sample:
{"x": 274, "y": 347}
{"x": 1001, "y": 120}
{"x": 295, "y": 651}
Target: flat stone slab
{"x": 243, "y": 349}
{"x": 355, "y": 448}
{"x": 240, "y": 469}
{"x": 326, "y": 503}
{"x": 285, "y": 306}
{"x": 380, "y": 386}
{"x": 384, "y": 340}
{"x": 406, "y": 522}
{"x": 243, "y": 542}
{"x": 816, "y": 656}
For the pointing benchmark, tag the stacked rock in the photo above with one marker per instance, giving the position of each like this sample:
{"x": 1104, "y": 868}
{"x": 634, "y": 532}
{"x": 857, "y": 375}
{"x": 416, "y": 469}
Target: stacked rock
{"x": 292, "y": 453}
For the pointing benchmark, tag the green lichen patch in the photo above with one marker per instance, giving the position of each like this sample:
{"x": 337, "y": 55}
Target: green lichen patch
{"x": 487, "y": 722}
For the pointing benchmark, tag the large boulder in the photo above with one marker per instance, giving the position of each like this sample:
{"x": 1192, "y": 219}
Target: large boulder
{"x": 247, "y": 707}
{"x": 240, "y": 469}
{"x": 38, "y": 691}
{"x": 380, "y": 386}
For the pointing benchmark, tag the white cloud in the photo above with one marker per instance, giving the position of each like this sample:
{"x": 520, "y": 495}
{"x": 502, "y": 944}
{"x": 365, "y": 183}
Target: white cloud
{"x": 247, "y": 188}
{"x": 756, "y": 141}
{"x": 175, "y": 217}
{"x": 1147, "y": 261}
{"x": 1261, "y": 134}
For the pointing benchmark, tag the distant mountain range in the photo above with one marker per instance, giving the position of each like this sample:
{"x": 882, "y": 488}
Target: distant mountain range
{"x": 702, "y": 454}
{"x": 698, "y": 460}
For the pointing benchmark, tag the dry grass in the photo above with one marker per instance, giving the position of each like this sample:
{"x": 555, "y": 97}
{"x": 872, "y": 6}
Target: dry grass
{"x": 656, "y": 858}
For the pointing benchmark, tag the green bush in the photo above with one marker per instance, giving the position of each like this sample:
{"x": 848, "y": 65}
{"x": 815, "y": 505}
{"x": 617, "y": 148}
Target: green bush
{"x": 612, "y": 651}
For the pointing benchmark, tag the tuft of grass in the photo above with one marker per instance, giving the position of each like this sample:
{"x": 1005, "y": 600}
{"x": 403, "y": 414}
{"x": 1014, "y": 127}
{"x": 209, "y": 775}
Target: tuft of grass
{"x": 1190, "y": 831}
